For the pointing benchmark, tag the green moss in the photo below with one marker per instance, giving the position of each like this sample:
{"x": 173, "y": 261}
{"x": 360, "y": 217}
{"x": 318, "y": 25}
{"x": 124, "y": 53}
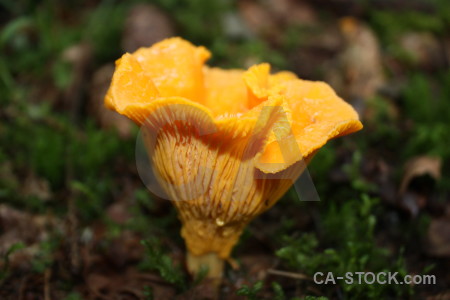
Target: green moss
{"x": 157, "y": 260}
{"x": 346, "y": 244}
{"x": 251, "y": 292}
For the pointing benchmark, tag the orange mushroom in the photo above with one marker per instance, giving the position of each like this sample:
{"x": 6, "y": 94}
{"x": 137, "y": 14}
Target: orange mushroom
{"x": 225, "y": 145}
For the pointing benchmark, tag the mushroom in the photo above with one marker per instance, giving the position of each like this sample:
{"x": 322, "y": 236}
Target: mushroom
{"x": 224, "y": 145}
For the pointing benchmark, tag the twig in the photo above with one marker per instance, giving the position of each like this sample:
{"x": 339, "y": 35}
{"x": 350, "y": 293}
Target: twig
{"x": 74, "y": 249}
{"x": 47, "y": 274}
{"x": 150, "y": 277}
{"x": 22, "y": 287}
{"x": 289, "y": 274}
{"x": 72, "y": 216}
{"x": 233, "y": 263}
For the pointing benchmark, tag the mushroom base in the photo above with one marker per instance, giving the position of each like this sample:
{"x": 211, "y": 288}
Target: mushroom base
{"x": 213, "y": 263}
{"x": 206, "y": 236}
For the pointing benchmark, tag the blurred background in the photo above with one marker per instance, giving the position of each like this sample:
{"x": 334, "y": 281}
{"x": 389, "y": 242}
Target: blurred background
{"x": 76, "y": 222}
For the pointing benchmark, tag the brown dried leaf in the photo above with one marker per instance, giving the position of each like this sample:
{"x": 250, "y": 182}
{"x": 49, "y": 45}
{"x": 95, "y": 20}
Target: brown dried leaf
{"x": 146, "y": 24}
{"x": 317, "y": 52}
{"x": 105, "y": 117}
{"x": 414, "y": 195}
{"x": 80, "y": 56}
{"x": 293, "y": 12}
{"x": 441, "y": 296}
{"x": 424, "y": 49}
{"x": 36, "y": 186}
{"x": 439, "y": 237}
{"x": 259, "y": 19}
{"x": 447, "y": 51}
{"x": 358, "y": 72}
{"x": 118, "y": 285}
{"x": 256, "y": 265}
{"x": 420, "y": 166}
{"x": 205, "y": 290}
{"x": 7, "y": 176}
{"x": 125, "y": 249}
{"x": 118, "y": 212}
{"x": 21, "y": 227}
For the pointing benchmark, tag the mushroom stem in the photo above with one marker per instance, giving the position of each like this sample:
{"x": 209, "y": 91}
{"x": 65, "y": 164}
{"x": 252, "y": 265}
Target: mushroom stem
{"x": 211, "y": 260}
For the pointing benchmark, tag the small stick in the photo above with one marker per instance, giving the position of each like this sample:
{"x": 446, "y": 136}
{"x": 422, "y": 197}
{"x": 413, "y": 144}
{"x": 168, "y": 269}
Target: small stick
{"x": 47, "y": 275}
{"x": 233, "y": 263}
{"x": 23, "y": 285}
{"x": 289, "y": 274}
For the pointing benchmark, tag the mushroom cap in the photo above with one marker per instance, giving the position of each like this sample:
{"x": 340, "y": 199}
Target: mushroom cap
{"x": 225, "y": 145}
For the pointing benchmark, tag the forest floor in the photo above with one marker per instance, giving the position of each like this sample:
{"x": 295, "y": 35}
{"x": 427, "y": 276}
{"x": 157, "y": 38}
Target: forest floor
{"x": 76, "y": 221}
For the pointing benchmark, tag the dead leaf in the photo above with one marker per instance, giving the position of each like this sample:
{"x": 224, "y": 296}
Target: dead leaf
{"x": 256, "y": 265}
{"x": 118, "y": 212}
{"x": 97, "y": 283}
{"x": 205, "y": 290}
{"x": 293, "y": 12}
{"x": 447, "y": 51}
{"x": 413, "y": 203}
{"x": 105, "y": 117}
{"x": 416, "y": 187}
{"x": 439, "y": 237}
{"x": 115, "y": 285}
{"x": 420, "y": 166}
{"x": 424, "y": 49}
{"x": 125, "y": 249}
{"x": 234, "y": 26}
{"x": 441, "y": 296}
{"x": 357, "y": 72}
{"x": 21, "y": 227}
{"x": 145, "y": 25}
{"x": 36, "y": 186}
{"x": 80, "y": 56}
{"x": 317, "y": 51}
{"x": 7, "y": 176}
{"x": 258, "y": 19}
